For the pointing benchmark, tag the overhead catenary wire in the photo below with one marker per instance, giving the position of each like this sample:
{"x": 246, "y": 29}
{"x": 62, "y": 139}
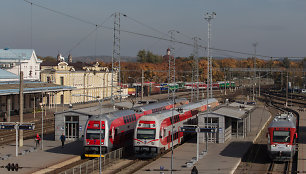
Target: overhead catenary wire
{"x": 151, "y": 36}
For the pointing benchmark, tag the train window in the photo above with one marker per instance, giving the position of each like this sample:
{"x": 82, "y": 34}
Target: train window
{"x": 95, "y": 134}
{"x": 145, "y": 133}
{"x": 130, "y": 118}
{"x": 281, "y": 136}
{"x": 124, "y": 119}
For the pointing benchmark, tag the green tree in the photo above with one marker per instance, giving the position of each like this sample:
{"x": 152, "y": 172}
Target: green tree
{"x": 141, "y": 56}
{"x": 286, "y": 62}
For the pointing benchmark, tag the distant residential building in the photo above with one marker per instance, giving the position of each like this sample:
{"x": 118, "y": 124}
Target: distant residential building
{"x": 16, "y": 60}
{"x": 88, "y": 80}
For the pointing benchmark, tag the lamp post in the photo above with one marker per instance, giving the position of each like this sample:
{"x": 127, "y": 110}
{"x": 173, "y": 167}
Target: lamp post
{"x": 208, "y": 17}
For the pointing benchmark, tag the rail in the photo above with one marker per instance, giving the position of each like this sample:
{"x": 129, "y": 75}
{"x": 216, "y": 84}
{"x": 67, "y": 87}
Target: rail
{"x": 93, "y": 165}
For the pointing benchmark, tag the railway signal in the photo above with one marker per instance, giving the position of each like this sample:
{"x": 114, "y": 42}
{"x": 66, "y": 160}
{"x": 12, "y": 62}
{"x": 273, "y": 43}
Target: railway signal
{"x": 17, "y": 126}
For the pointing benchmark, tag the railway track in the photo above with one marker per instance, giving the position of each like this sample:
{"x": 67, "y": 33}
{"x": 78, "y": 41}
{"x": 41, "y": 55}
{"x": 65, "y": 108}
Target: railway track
{"x": 257, "y": 160}
{"x": 279, "y": 167}
{"x": 7, "y": 136}
{"x": 132, "y": 165}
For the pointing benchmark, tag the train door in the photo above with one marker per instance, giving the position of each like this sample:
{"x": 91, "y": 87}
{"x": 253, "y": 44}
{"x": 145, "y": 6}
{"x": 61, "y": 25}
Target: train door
{"x": 72, "y": 127}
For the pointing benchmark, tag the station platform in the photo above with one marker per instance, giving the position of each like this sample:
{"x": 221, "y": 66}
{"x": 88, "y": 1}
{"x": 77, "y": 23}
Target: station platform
{"x": 301, "y": 168}
{"x": 220, "y": 158}
{"x": 40, "y": 161}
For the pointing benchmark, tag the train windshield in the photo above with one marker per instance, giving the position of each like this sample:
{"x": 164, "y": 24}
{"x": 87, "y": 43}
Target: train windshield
{"x": 95, "y": 134}
{"x": 281, "y": 136}
{"x": 145, "y": 133}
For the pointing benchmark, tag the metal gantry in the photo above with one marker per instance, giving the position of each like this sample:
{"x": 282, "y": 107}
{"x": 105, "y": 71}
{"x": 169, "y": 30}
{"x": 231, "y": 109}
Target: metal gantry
{"x": 116, "y": 56}
{"x": 195, "y": 68}
{"x": 170, "y": 83}
{"x": 208, "y": 17}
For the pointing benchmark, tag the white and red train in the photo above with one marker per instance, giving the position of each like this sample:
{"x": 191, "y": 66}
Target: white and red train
{"x": 282, "y": 135}
{"x": 116, "y": 128}
{"x": 153, "y": 132}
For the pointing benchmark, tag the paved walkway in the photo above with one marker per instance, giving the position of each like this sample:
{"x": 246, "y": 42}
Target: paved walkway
{"x": 302, "y": 142}
{"x": 38, "y": 159}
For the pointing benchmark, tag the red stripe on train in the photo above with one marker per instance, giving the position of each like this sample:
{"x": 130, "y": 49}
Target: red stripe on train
{"x": 147, "y": 122}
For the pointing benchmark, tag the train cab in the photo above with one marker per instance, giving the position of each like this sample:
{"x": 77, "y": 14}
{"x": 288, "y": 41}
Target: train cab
{"x": 282, "y": 137}
{"x": 94, "y": 134}
{"x": 146, "y": 139}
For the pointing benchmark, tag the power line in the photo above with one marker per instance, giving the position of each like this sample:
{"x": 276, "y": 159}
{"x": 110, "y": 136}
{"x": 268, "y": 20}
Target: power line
{"x": 150, "y": 36}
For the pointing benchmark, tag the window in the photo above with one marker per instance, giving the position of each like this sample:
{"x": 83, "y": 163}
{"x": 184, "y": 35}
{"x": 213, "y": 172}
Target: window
{"x": 62, "y": 80}
{"x": 146, "y": 134}
{"x": 95, "y": 134}
{"x": 281, "y": 136}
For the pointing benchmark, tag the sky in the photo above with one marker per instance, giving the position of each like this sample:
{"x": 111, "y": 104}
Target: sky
{"x": 62, "y": 26}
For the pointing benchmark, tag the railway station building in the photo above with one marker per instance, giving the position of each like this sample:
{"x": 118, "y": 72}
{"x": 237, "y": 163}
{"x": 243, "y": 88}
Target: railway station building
{"x": 89, "y": 81}
{"x": 228, "y": 120}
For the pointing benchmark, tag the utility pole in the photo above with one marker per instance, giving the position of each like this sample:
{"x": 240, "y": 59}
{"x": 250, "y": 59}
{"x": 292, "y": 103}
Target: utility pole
{"x": 254, "y": 66}
{"x": 142, "y": 81}
{"x": 208, "y": 17}
{"x": 21, "y": 108}
{"x": 287, "y": 84}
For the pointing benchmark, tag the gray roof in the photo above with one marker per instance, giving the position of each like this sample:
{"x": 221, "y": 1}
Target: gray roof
{"x": 8, "y": 88}
{"x": 284, "y": 120}
{"x": 244, "y": 106}
{"x": 22, "y": 54}
{"x": 198, "y": 104}
{"x": 233, "y": 112}
{"x": 7, "y": 75}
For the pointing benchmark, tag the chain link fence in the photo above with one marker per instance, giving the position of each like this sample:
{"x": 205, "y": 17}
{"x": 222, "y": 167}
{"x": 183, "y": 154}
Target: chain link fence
{"x": 93, "y": 165}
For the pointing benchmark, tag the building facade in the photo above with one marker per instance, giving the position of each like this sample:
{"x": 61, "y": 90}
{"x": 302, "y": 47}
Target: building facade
{"x": 90, "y": 82}
{"x": 16, "y": 60}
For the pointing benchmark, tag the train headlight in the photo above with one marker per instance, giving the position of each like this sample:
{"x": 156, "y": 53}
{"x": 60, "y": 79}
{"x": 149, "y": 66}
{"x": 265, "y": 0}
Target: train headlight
{"x": 287, "y": 145}
{"x": 88, "y": 142}
{"x": 274, "y": 145}
{"x": 102, "y": 143}
{"x": 138, "y": 143}
{"x": 152, "y": 143}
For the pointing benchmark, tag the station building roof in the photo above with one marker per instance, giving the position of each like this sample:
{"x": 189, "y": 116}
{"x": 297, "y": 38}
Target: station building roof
{"x": 233, "y": 110}
{"x": 9, "y": 88}
{"x": 6, "y": 75}
{"x": 97, "y": 110}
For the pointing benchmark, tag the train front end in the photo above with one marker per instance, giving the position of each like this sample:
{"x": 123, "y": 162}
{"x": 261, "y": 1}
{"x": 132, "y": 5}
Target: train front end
{"x": 146, "y": 140}
{"x": 282, "y": 138}
{"x": 95, "y": 137}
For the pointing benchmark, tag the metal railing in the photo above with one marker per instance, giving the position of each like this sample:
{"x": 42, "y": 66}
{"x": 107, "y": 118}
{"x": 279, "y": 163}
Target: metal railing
{"x": 93, "y": 165}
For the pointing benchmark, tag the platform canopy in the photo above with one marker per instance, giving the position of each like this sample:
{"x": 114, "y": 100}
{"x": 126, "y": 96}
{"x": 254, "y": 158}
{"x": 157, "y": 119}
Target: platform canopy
{"x": 10, "y": 88}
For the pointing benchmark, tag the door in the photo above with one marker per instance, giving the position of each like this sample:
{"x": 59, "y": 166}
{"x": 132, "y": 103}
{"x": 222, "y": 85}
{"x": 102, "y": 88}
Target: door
{"x": 72, "y": 127}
